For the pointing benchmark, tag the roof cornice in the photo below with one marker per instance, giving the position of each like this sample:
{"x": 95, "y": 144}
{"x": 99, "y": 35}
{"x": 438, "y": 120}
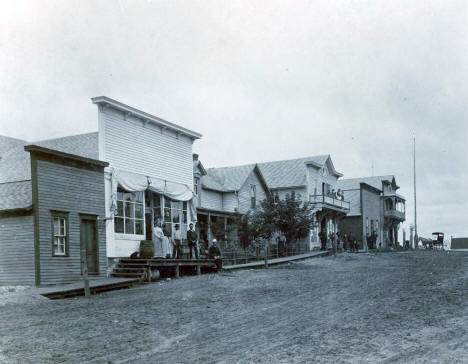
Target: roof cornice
{"x": 37, "y": 149}
{"x": 106, "y": 101}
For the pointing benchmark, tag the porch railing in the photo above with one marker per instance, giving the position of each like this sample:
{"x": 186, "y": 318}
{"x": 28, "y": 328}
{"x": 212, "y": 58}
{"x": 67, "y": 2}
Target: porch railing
{"x": 330, "y": 200}
{"x": 394, "y": 214}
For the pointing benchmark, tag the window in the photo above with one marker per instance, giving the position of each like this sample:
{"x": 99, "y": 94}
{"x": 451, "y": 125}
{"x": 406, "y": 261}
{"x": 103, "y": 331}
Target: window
{"x": 172, "y": 214}
{"x": 196, "y": 182}
{"x": 59, "y": 234}
{"x": 367, "y": 226}
{"x": 253, "y": 196}
{"x": 130, "y": 213}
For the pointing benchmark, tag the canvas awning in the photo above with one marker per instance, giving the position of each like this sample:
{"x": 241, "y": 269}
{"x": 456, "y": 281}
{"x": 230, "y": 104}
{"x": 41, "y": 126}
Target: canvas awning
{"x": 133, "y": 182}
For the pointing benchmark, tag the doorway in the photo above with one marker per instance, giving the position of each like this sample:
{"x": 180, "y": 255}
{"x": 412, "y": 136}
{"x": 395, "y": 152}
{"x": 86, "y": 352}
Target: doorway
{"x": 89, "y": 242}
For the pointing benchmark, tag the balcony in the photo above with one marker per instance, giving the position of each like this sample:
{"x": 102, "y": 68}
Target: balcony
{"x": 330, "y": 202}
{"x": 395, "y": 214}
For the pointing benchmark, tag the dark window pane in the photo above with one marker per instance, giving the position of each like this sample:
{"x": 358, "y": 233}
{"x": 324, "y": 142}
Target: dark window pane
{"x": 120, "y": 195}
{"x": 138, "y": 211}
{"x": 139, "y": 227}
{"x": 175, "y": 216}
{"x": 119, "y": 208}
{"x": 184, "y": 217}
{"x": 185, "y": 205}
{"x": 129, "y": 226}
{"x": 129, "y": 196}
{"x": 167, "y": 215}
{"x": 167, "y": 202}
{"x": 129, "y": 209}
{"x": 119, "y": 225}
{"x": 157, "y": 213}
{"x": 156, "y": 200}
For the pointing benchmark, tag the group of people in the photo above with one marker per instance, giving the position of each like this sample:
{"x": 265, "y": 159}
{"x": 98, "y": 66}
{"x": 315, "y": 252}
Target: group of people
{"x": 337, "y": 195}
{"x": 347, "y": 242}
{"x": 170, "y": 246}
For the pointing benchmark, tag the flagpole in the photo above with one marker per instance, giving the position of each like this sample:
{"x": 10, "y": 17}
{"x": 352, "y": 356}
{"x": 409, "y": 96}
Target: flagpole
{"x": 414, "y": 180}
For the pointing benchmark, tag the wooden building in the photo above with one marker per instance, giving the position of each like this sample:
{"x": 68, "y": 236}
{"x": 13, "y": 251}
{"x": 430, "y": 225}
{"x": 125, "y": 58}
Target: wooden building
{"x": 150, "y": 175}
{"x": 224, "y": 194}
{"x": 313, "y": 179}
{"x": 51, "y": 206}
{"x": 375, "y": 208}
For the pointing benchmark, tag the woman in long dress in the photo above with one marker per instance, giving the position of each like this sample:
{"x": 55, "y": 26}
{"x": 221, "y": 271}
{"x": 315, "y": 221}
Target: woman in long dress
{"x": 158, "y": 237}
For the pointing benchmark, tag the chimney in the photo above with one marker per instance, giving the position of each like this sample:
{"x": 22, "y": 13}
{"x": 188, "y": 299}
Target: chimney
{"x": 195, "y": 157}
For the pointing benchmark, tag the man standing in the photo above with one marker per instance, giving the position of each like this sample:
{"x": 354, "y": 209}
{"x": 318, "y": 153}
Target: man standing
{"x": 215, "y": 253}
{"x": 177, "y": 251}
{"x": 323, "y": 239}
{"x": 192, "y": 241}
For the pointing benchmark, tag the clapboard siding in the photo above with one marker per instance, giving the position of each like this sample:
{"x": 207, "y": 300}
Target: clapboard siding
{"x": 370, "y": 210}
{"x": 75, "y": 191}
{"x": 230, "y": 202}
{"x": 147, "y": 150}
{"x": 211, "y": 200}
{"x": 354, "y": 198}
{"x": 244, "y": 192}
{"x": 17, "y": 250}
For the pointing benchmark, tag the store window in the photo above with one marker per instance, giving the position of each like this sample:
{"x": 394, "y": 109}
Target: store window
{"x": 130, "y": 213}
{"x": 173, "y": 215}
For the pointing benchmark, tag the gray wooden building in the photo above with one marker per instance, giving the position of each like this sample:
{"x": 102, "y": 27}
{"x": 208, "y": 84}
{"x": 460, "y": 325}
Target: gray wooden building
{"x": 51, "y": 206}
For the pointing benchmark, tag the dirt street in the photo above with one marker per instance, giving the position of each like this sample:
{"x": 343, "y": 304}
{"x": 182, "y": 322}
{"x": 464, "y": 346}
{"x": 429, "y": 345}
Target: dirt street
{"x": 389, "y": 307}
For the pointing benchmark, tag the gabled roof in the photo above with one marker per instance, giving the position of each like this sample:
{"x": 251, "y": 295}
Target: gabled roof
{"x": 231, "y": 178}
{"x": 15, "y": 164}
{"x": 292, "y": 172}
{"x": 15, "y": 195}
{"x": 376, "y": 182}
{"x": 7, "y": 143}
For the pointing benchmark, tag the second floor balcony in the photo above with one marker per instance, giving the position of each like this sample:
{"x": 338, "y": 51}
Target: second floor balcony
{"x": 331, "y": 202}
{"x": 395, "y": 214}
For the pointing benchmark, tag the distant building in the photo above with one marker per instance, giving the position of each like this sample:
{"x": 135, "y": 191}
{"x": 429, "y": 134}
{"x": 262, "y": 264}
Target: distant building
{"x": 375, "y": 207}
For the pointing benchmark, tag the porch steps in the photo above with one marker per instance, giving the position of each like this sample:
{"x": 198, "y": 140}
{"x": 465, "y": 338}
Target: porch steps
{"x": 131, "y": 268}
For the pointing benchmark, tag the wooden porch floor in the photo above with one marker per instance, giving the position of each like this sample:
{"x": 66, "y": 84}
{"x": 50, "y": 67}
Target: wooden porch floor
{"x": 261, "y": 263}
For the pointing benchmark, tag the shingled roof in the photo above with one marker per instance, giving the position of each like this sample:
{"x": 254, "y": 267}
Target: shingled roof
{"x": 15, "y": 165}
{"x": 15, "y": 195}
{"x": 7, "y": 143}
{"x": 291, "y": 172}
{"x": 354, "y": 183}
{"x": 230, "y": 178}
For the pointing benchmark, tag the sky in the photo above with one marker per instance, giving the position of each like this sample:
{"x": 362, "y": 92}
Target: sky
{"x": 261, "y": 80}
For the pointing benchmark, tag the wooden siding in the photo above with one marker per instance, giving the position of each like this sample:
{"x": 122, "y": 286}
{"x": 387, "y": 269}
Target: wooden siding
{"x": 76, "y": 191}
{"x": 300, "y": 192}
{"x": 230, "y": 202}
{"x": 133, "y": 147}
{"x": 371, "y": 210}
{"x": 244, "y": 192}
{"x": 354, "y": 198}
{"x": 211, "y": 200}
{"x": 17, "y": 250}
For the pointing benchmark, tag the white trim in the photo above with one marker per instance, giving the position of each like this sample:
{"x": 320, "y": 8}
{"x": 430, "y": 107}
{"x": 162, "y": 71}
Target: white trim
{"x": 106, "y": 101}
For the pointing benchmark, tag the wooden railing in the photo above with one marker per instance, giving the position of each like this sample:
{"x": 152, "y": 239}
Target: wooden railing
{"x": 395, "y": 213}
{"x": 330, "y": 200}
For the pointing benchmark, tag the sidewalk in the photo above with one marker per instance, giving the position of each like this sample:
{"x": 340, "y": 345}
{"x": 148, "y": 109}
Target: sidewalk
{"x": 261, "y": 263}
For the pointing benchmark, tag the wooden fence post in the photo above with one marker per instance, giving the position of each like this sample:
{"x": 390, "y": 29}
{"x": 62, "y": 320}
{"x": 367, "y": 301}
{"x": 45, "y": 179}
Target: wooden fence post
{"x": 84, "y": 270}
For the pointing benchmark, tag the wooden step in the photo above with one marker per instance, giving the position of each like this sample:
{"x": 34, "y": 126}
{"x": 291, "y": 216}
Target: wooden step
{"x": 127, "y": 275}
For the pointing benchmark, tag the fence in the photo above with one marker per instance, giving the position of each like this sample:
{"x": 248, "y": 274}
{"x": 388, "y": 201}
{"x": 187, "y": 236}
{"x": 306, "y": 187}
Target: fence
{"x": 233, "y": 253}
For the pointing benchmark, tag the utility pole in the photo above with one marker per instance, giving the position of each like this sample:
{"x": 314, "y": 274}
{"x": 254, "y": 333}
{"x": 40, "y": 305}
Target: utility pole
{"x": 414, "y": 179}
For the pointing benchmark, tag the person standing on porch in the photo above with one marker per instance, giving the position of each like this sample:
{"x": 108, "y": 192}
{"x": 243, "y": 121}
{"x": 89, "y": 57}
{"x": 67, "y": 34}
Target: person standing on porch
{"x": 177, "y": 251}
{"x": 192, "y": 241}
{"x": 323, "y": 239}
{"x": 157, "y": 237}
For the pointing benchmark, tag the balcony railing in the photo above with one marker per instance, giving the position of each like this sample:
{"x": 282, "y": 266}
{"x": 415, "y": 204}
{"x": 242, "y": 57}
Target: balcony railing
{"x": 394, "y": 214}
{"x": 330, "y": 201}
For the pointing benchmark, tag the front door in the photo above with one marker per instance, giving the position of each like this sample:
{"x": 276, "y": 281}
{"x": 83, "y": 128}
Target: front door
{"x": 89, "y": 242}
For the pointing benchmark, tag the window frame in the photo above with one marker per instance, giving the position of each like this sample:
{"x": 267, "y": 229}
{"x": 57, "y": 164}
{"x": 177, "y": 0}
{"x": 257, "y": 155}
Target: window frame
{"x": 124, "y": 234}
{"x": 196, "y": 184}
{"x": 65, "y": 216}
{"x": 253, "y": 196}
